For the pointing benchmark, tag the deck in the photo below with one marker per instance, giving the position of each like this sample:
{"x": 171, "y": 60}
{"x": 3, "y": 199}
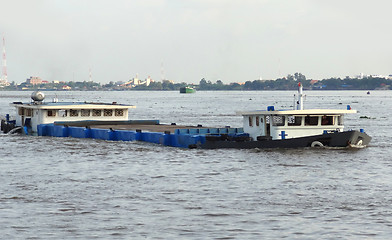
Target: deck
{"x": 133, "y": 125}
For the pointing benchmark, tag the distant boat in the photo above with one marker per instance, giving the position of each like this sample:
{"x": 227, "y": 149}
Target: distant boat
{"x": 187, "y": 90}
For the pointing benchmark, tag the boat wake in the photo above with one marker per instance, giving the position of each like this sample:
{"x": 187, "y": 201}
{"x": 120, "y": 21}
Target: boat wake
{"x": 14, "y": 130}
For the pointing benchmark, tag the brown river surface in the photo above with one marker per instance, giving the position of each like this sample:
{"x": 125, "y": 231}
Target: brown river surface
{"x": 64, "y": 188}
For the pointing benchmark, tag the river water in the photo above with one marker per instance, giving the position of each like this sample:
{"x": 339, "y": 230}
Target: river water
{"x": 64, "y": 188}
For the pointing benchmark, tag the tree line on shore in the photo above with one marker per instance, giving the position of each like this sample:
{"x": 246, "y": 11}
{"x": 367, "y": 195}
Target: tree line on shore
{"x": 287, "y": 83}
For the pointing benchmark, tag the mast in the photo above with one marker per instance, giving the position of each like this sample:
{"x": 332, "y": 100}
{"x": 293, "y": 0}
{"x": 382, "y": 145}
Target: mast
{"x": 300, "y": 104}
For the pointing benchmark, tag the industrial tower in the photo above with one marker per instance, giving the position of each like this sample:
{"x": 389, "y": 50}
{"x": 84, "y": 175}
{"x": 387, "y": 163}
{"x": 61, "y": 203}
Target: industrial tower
{"x": 4, "y": 80}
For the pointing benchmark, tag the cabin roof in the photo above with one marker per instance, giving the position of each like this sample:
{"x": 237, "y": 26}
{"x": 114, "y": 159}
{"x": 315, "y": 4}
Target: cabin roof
{"x": 298, "y": 112}
{"x": 72, "y": 105}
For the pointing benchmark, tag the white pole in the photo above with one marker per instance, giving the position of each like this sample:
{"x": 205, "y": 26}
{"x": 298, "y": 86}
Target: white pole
{"x": 300, "y": 105}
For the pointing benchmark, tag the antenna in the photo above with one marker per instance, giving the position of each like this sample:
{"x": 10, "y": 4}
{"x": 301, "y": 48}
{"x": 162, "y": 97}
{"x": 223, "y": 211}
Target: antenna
{"x": 90, "y": 77}
{"x": 4, "y": 63}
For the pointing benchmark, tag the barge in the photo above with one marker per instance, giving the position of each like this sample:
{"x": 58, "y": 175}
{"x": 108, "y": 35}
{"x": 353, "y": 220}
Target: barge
{"x": 187, "y": 90}
{"x": 270, "y": 128}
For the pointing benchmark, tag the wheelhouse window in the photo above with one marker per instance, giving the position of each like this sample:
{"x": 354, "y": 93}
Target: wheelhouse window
{"x": 119, "y": 112}
{"x": 340, "y": 120}
{"x": 257, "y": 121}
{"x": 326, "y": 120}
{"x": 294, "y": 120}
{"x": 250, "y": 121}
{"x": 278, "y": 120}
{"x": 51, "y": 113}
{"x": 311, "y": 120}
{"x": 63, "y": 113}
{"x": 108, "y": 112}
{"x": 97, "y": 112}
{"x": 28, "y": 112}
{"x": 21, "y": 111}
{"x": 73, "y": 113}
{"x": 85, "y": 113}
{"x": 267, "y": 119}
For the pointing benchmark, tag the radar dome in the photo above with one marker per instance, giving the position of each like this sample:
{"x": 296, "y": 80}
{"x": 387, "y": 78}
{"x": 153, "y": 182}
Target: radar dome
{"x": 38, "y": 96}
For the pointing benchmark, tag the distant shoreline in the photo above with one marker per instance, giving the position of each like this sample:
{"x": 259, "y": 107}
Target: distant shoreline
{"x": 281, "y": 84}
{"x": 169, "y": 90}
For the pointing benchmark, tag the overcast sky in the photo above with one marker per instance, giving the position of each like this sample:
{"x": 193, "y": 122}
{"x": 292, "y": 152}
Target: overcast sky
{"x": 230, "y": 40}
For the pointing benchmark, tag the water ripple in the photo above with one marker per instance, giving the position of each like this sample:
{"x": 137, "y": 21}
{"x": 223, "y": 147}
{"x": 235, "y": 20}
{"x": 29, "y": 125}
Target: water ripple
{"x": 55, "y": 188}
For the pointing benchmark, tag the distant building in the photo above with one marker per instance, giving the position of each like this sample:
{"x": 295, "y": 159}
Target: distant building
{"x": 34, "y": 80}
{"x": 379, "y": 76}
{"x": 361, "y": 76}
{"x": 239, "y": 83}
{"x": 136, "y": 82}
{"x": 148, "y": 81}
{"x": 312, "y": 82}
{"x": 4, "y": 83}
{"x": 118, "y": 83}
{"x": 168, "y": 81}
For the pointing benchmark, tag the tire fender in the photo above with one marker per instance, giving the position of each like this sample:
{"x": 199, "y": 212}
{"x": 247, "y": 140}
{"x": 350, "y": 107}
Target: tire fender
{"x": 317, "y": 144}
